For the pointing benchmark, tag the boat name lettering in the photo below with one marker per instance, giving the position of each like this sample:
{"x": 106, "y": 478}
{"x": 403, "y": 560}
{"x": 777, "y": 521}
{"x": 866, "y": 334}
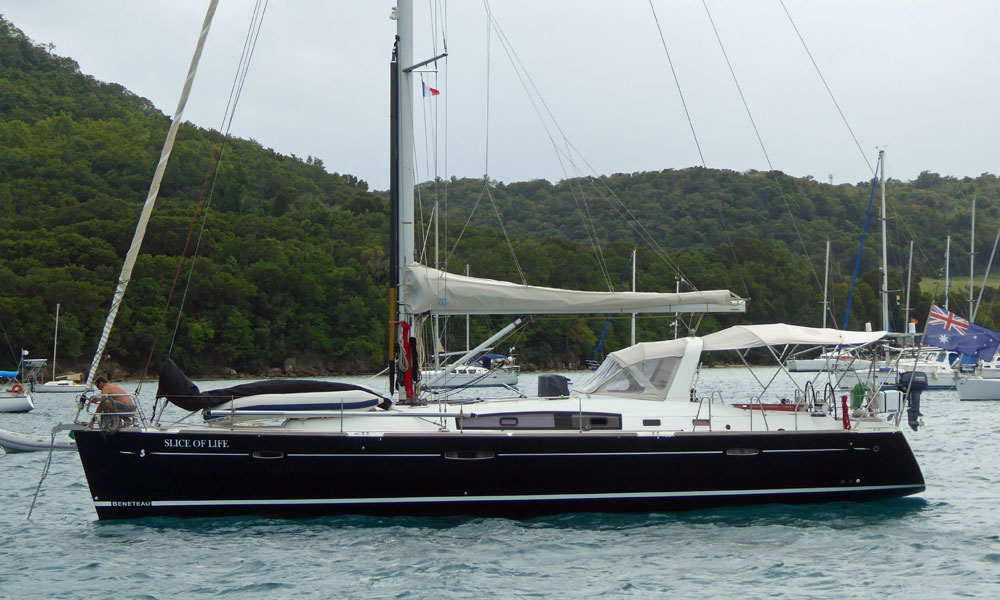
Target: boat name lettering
{"x": 189, "y": 443}
{"x": 145, "y": 503}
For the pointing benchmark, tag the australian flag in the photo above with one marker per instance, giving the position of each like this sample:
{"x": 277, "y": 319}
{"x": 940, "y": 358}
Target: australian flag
{"x": 949, "y": 331}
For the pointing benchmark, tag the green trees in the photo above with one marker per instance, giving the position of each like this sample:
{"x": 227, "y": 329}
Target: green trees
{"x": 293, "y": 261}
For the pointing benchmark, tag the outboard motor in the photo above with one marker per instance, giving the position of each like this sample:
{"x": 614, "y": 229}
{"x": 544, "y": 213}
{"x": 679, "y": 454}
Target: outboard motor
{"x": 551, "y": 386}
{"x": 912, "y": 383}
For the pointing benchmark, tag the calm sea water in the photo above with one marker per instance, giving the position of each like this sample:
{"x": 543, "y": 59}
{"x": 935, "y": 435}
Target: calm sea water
{"x": 943, "y": 543}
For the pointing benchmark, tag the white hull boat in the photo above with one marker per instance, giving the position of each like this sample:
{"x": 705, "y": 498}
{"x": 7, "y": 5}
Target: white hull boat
{"x": 827, "y": 362}
{"x": 62, "y": 386}
{"x": 473, "y": 377}
{"x": 13, "y": 397}
{"x": 15, "y": 403}
{"x": 976, "y": 387}
{"x": 19, "y": 442}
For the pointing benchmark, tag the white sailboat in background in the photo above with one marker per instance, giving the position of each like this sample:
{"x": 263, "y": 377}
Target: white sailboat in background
{"x": 487, "y": 370}
{"x": 66, "y": 384}
{"x": 838, "y": 359}
{"x": 14, "y": 398}
{"x": 983, "y": 383}
{"x": 470, "y": 371}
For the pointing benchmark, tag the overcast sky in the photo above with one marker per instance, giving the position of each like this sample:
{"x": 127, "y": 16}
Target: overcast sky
{"x": 916, "y": 77}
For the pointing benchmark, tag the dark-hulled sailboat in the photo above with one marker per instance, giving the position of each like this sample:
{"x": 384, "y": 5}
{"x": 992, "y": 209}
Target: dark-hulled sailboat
{"x": 635, "y": 437}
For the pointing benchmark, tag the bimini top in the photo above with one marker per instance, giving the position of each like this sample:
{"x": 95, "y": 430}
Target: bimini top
{"x": 742, "y": 337}
{"x": 665, "y": 370}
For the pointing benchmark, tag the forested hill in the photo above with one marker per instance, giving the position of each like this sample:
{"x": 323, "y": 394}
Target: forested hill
{"x": 293, "y": 262}
{"x": 700, "y": 209}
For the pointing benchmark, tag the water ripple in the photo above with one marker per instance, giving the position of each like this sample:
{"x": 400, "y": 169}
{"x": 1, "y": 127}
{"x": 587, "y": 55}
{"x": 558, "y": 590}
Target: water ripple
{"x": 942, "y": 543}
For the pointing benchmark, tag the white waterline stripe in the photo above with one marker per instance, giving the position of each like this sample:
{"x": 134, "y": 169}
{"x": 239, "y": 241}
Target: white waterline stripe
{"x": 502, "y": 454}
{"x": 521, "y": 454}
{"x": 244, "y": 454}
{"x": 373, "y": 455}
{"x": 812, "y": 450}
{"x": 518, "y": 498}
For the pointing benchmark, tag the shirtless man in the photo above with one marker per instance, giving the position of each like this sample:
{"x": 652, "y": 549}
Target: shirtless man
{"x": 113, "y": 399}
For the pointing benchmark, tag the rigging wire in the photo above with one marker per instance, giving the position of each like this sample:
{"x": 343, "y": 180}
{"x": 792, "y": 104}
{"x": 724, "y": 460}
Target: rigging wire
{"x": 535, "y": 98}
{"x": 231, "y": 110}
{"x": 722, "y": 213}
{"x": 760, "y": 140}
{"x": 857, "y": 263}
{"x": 211, "y": 175}
{"x": 430, "y": 114}
{"x": 9, "y": 346}
{"x": 154, "y": 188}
{"x": 443, "y": 12}
{"x": 486, "y": 163}
{"x": 826, "y": 85}
{"x": 486, "y": 189}
{"x": 629, "y": 217}
{"x": 677, "y": 82}
{"x": 506, "y": 236}
{"x": 489, "y": 41}
{"x": 922, "y": 253}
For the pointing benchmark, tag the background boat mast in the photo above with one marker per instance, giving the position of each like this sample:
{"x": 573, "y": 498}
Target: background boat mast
{"x": 885, "y": 255}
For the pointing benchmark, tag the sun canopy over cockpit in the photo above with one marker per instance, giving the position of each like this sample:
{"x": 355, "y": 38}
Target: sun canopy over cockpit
{"x": 664, "y": 370}
{"x": 742, "y": 337}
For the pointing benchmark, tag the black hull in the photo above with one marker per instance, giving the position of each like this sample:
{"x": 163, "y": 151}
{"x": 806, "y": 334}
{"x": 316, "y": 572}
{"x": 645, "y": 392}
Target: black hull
{"x": 198, "y": 473}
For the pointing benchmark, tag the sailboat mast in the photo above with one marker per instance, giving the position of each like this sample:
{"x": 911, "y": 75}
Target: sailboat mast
{"x": 947, "y": 268}
{"x": 972, "y": 255}
{"x": 55, "y": 343}
{"x": 885, "y": 254}
{"x": 986, "y": 277}
{"x": 401, "y": 181}
{"x": 677, "y": 290}
{"x": 393, "y": 210}
{"x": 407, "y": 178}
{"x": 826, "y": 281}
{"x": 909, "y": 280}
{"x": 467, "y": 317}
{"x": 401, "y": 176}
{"x": 632, "y": 337}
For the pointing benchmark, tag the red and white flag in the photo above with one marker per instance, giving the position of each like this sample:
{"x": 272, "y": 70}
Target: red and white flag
{"x": 428, "y": 90}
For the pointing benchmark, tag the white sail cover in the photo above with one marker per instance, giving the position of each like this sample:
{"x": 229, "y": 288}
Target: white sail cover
{"x": 427, "y": 290}
{"x": 742, "y": 337}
